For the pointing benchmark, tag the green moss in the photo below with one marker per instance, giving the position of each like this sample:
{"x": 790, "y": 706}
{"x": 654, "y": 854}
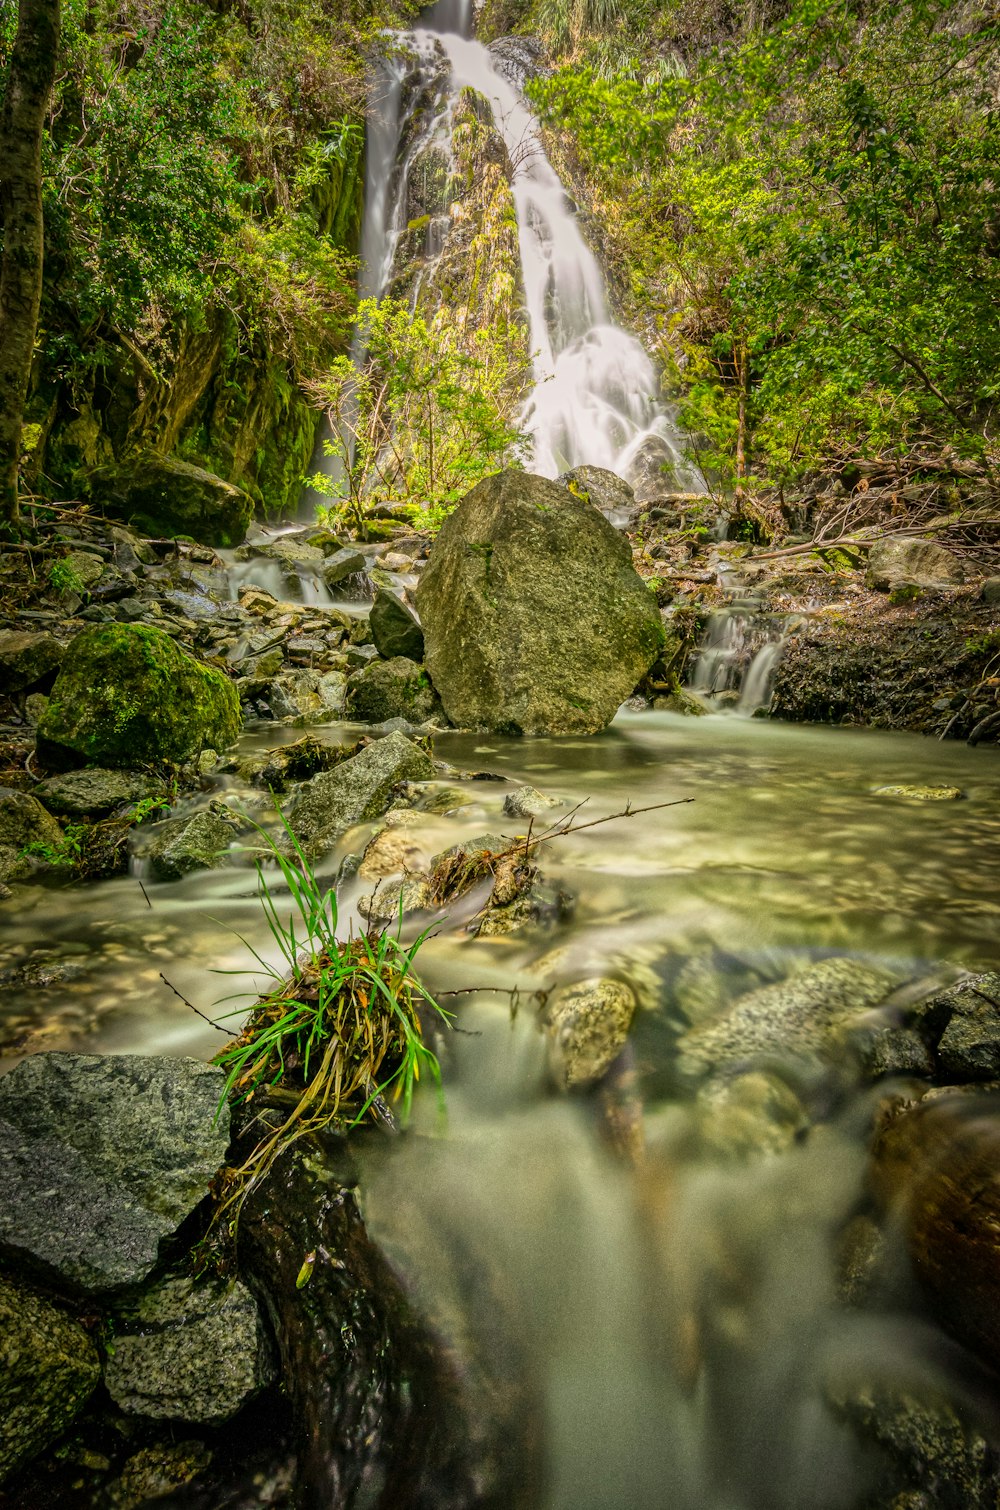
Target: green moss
{"x": 127, "y": 695}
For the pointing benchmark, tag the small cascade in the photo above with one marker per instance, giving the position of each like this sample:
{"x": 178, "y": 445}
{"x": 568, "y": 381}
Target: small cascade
{"x": 737, "y": 661}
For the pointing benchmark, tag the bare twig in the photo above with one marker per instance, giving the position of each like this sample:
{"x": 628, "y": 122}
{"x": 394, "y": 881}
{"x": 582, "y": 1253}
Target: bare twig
{"x": 216, "y": 1025}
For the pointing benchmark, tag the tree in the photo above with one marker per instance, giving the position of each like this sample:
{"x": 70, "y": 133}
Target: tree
{"x": 25, "y": 104}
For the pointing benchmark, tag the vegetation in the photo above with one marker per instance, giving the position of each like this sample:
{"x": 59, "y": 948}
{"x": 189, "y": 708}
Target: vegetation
{"x": 425, "y": 418}
{"x": 340, "y": 1032}
{"x": 810, "y": 205}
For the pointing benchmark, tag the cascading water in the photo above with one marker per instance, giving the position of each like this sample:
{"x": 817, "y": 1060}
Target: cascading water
{"x": 738, "y": 658}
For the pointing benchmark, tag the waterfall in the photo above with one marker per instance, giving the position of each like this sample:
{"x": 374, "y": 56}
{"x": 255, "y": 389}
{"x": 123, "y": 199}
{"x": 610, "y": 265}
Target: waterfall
{"x": 738, "y": 658}
{"x": 595, "y": 397}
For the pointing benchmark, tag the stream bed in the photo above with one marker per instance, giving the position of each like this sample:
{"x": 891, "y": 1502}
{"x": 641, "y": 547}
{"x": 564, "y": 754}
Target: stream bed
{"x": 681, "y": 1318}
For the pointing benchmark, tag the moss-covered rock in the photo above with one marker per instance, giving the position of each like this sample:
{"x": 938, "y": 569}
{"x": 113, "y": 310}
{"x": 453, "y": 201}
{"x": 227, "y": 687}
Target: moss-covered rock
{"x": 167, "y": 497}
{"x": 535, "y": 620}
{"x": 391, "y": 689}
{"x": 48, "y": 1368}
{"x": 24, "y": 822}
{"x": 127, "y": 695}
{"x": 26, "y": 658}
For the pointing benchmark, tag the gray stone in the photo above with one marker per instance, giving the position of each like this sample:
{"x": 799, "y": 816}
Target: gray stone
{"x": 969, "y": 1047}
{"x": 805, "y": 1016}
{"x": 341, "y": 565}
{"x": 750, "y": 1115}
{"x": 605, "y": 490}
{"x": 386, "y": 903}
{"x": 188, "y": 1351}
{"x": 680, "y": 701}
{"x": 24, "y": 822}
{"x": 180, "y": 845}
{"x": 896, "y": 1051}
{"x": 931, "y": 1015}
{"x": 587, "y": 1026}
{"x": 535, "y": 620}
{"x": 289, "y": 551}
{"x": 93, "y": 793}
{"x": 26, "y": 658}
{"x": 104, "y": 1157}
{"x": 912, "y": 562}
{"x": 527, "y": 802}
{"x": 155, "y": 1472}
{"x": 395, "y": 628}
{"x": 990, "y": 590}
{"x": 48, "y": 1369}
{"x": 168, "y": 497}
{"x": 391, "y": 689}
{"x": 356, "y": 791}
{"x": 311, "y": 696}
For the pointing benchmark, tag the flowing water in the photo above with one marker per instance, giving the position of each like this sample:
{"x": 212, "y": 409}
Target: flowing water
{"x": 682, "y": 1320}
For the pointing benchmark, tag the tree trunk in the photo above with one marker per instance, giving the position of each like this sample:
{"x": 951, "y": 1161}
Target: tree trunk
{"x": 25, "y": 105}
{"x": 743, "y": 376}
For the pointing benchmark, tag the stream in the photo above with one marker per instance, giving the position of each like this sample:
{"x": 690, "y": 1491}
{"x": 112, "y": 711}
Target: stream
{"x": 683, "y": 1318}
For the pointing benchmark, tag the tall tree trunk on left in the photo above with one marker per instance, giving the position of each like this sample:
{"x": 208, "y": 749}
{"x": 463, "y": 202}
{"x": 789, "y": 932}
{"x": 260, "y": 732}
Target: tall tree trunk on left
{"x": 25, "y": 106}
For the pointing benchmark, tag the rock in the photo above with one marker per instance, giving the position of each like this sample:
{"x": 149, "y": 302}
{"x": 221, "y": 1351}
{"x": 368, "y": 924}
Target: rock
{"x": 391, "y": 689}
{"x": 605, "y": 490}
{"x": 188, "y": 1351}
{"x": 313, "y": 696}
{"x": 969, "y": 1047}
{"x": 85, "y": 567}
{"x": 587, "y": 1025}
{"x": 180, "y": 845}
{"x": 155, "y": 1472}
{"x": 165, "y": 497}
{"x": 104, "y": 1157}
{"x": 25, "y": 659}
{"x": 126, "y": 694}
{"x": 93, "y": 793}
{"x": 24, "y": 823}
{"x": 356, "y": 791}
{"x": 896, "y": 1051}
{"x": 341, "y": 565}
{"x": 932, "y": 1014}
{"x": 49, "y": 1367}
{"x": 919, "y": 793}
{"x": 990, "y": 590}
{"x": 750, "y": 1114}
{"x": 912, "y": 562}
{"x": 390, "y": 851}
{"x": 527, "y": 802}
{"x": 397, "y": 898}
{"x": 274, "y": 769}
{"x": 395, "y": 629}
{"x": 14, "y": 866}
{"x": 534, "y": 618}
{"x": 805, "y": 1016}
{"x": 680, "y": 701}
{"x": 291, "y": 551}
{"x": 35, "y": 705}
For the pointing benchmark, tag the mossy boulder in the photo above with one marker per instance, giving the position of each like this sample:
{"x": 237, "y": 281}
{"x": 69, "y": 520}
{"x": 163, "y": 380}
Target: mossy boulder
{"x": 391, "y": 689}
{"x": 535, "y": 620}
{"x": 127, "y": 695}
{"x": 166, "y": 497}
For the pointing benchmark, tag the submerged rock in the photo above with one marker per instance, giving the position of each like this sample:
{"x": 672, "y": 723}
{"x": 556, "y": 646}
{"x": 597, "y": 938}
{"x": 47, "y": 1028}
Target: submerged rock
{"x": 912, "y": 562}
{"x": 919, "y": 793}
{"x": 749, "y": 1115}
{"x": 93, "y": 793}
{"x": 395, "y": 629}
{"x": 127, "y": 694}
{"x": 528, "y": 802}
{"x": 806, "y": 1016}
{"x": 104, "y": 1156}
{"x": 356, "y": 791}
{"x": 587, "y": 1025}
{"x": 188, "y": 1351}
{"x": 535, "y": 620}
{"x": 391, "y": 689}
{"x": 48, "y": 1369}
{"x": 162, "y": 496}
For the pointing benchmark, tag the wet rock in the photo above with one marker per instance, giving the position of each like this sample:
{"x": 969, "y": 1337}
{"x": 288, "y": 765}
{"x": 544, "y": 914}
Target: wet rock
{"x": 188, "y": 1351}
{"x": 340, "y": 565}
{"x": 14, "y": 866}
{"x": 969, "y": 1047}
{"x": 387, "y": 902}
{"x": 316, "y": 697}
{"x": 682, "y": 702}
{"x": 290, "y": 552}
{"x": 605, "y": 490}
{"x": 128, "y": 694}
{"x": 157, "y": 1471}
{"x": 919, "y": 793}
{"x": 748, "y": 1115}
{"x": 528, "y": 802}
{"x": 395, "y": 629}
{"x": 167, "y": 497}
{"x": 93, "y": 793}
{"x": 48, "y": 1369}
{"x": 391, "y": 689}
{"x": 292, "y": 762}
{"x": 534, "y": 618}
{"x": 912, "y": 562}
{"x": 587, "y": 1025}
{"x": 24, "y": 822}
{"x": 805, "y": 1016}
{"x": 181, "y": 845}
{"x": 356, "y": 791}
{"x": 860, "y": 1260}
{"x": 26, "y": 658}
{"x": 104, "y": 1157}
{"x": 897, "y": 1051}
{"x": 390, "y": 851}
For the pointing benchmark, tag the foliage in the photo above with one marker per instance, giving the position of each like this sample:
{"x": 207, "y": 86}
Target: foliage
{"x": 425, "y": 417}
{"x": 814, "y": 210}
{"x": 339, "y": 1032}
{"x": 65, "y": 851}
{"x": 63, "y": 577}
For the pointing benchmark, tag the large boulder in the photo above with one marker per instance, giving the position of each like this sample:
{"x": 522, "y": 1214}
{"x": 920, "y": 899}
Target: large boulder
{"x": 127, "y": 694}
{"x": 355, "y": 791}
{"x": 165, "y": 497}
{"x": 534, "y": 619}
{"x": 48, "y": 1369}
{"x": 605, "y": 490}
{"x": 94, "y": 793}
{"x": 24, "y": 823}
{"x": 394, "y": 627}
{"x": 912, "y": 562}
{"x": 104, "y": 1157}
{"x": 391, "y": 689}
